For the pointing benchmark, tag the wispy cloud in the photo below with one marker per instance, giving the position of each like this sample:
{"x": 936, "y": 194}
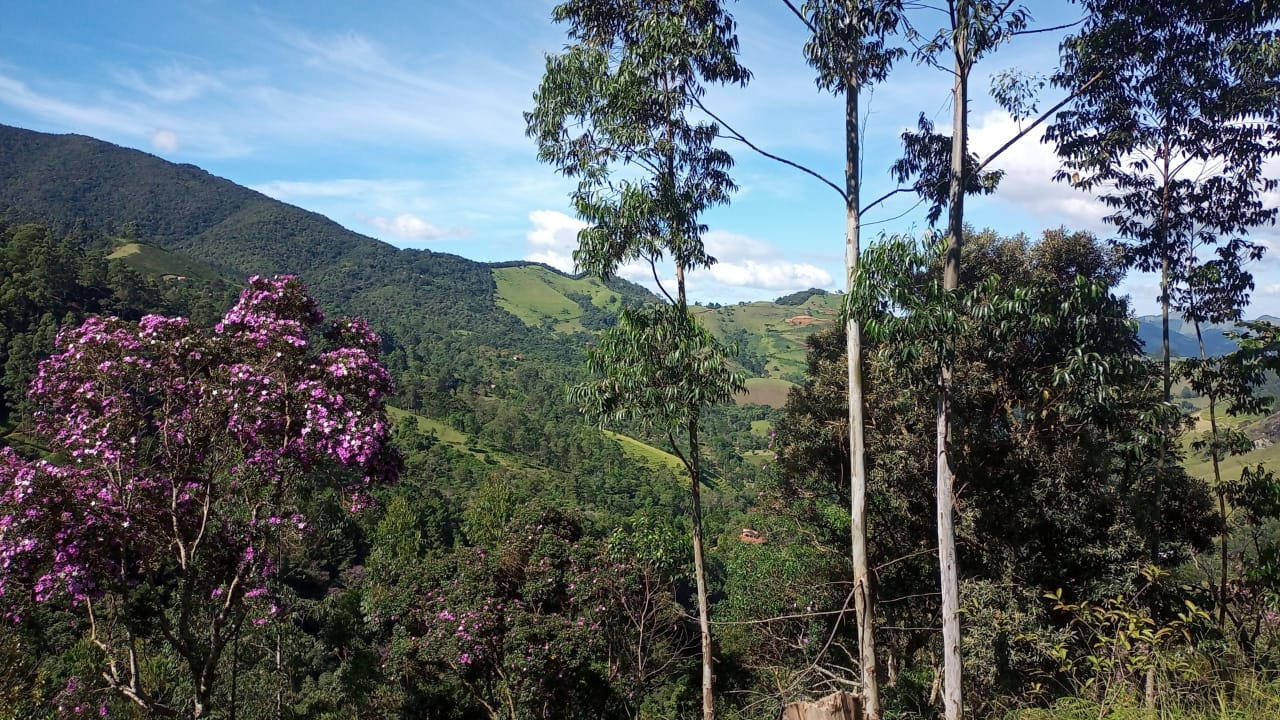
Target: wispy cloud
{"x": 172, "y": 83}
{"x": 17, "y": 94}
{"x": 553, "y": 238}
{"x": 125, "y": 121}
{"x": 411, "y": 227}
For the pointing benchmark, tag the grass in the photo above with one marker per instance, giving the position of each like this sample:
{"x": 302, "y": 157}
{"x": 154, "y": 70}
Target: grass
{"x": 1251, "y": 700}
{"x": 779, "y": 332}
{"x": 540, "y": 297}
{"x": 465, "y": 443}
{"x": 457, "y": 440}
{"x": 1201, "y": 467}
{"x": 758, "y": 458}
{"x": 151, "y": 260}
{"x": 646, "y": 453}
{"x": 764, "y": 391}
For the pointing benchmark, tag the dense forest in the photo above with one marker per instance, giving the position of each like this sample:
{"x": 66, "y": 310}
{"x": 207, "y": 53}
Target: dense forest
{"x": 254, "y": 465}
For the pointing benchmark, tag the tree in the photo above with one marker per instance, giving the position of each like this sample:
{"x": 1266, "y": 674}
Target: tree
{"x": 181, "y": 457}
{"x": 1051, "y": 397}
{"x": 1174, "y": 135}
{"x": 619, "y": 98}
{"x": 848, "y": 49}
{"x": 520, "y": 629}
{"x": 975, "y": 28}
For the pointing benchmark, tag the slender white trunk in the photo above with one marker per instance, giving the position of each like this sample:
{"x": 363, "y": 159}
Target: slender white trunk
{"x": 948, "y": 573}
{"x": 863, "y": 590}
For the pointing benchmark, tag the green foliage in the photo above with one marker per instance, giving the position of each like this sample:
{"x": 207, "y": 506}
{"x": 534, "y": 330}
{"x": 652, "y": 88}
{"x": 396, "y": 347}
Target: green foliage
{"x": 799, "y": 298}
{"x": 527, "y": 629}
{"x": 1117, "y": 647}
{"x": 621, "y": 95}
{"x": 1051, "y": 448}
{"x": 659, "y": 368}
{"x": 48, "y": 280}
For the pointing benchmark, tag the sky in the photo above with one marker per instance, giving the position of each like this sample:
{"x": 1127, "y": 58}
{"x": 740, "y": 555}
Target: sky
{"x": 403, "y": 121}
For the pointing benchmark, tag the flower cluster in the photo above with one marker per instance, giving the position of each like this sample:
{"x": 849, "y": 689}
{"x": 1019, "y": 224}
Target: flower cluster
{"x": 164, "y": 426}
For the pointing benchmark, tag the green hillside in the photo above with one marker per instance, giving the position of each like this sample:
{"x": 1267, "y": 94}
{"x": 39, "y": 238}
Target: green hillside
{"x": 481, "y": 352}
{"x": 543, "y": 297}
{"x": 777, "y": 332}
{"x": 151, "y": 260}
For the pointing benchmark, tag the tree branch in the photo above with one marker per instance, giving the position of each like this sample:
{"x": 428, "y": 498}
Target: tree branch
{"x": 800, "y": 15}
{"x": 1044, "y": 116}
{"x": 884, "y": 197}
{"x": 740, "y": 138}
{"x": 1064, "y": 26}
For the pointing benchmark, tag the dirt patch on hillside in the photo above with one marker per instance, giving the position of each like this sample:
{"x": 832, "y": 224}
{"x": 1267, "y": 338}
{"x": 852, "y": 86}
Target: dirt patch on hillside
{"x": 802, "y": 320}
{"x": 764, "y": 391}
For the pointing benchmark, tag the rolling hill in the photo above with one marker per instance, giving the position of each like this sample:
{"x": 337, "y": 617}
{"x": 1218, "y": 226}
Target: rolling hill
{"x": 472, "y": 345}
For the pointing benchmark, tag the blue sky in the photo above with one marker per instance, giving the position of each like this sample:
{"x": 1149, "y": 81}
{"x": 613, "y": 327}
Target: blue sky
{"x": 402, "y": 121}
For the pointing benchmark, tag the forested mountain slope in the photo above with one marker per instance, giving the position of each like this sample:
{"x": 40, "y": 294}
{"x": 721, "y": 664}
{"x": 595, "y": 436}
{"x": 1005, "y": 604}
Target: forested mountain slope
{"x": 483, "y": 350}
{"x": 417, "y": 298}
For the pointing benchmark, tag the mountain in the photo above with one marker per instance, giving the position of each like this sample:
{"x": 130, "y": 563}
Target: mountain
{"x": 481, "y": 353}
{"x": 190, "y": 215}
{"x": 1182, "y": 336}
{"x": 179, "y": 220}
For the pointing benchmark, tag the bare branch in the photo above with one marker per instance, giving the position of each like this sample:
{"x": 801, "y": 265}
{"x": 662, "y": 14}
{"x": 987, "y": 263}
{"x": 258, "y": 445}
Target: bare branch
{"x": 653, "y": 266}
{"x": 884, "y": 197}
{"x": 800, "y": 15}
{"x": 902, "y": 214}
{"x": 1049, "y": 29}
{"x": 735, "y": 135}
{"x": 1044, "y": 116}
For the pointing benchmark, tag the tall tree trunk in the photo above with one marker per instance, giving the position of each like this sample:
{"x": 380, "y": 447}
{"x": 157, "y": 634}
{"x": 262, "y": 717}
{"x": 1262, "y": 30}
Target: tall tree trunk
{"x": 700, "y": 574}
{"x": 699, "y": 564}
{"x": 1167, "y": 371}
{"x": 863, "y": 590}
{"x": 1218, "y": 489}
{"x": 1166, "y": 262}
{"x": 948, "y": 573}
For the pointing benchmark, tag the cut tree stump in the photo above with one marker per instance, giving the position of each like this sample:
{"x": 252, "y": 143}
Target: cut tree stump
{"x": 836, "y": 706}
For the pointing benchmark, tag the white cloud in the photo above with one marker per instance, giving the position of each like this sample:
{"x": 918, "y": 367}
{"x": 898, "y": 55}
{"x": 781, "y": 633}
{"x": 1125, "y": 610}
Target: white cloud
{"x": 165, "y": 141}
{"x": 722, "y": 245}
{"x": 170, "y": 84}
{"x": 770, "y": 275}
{"x": 1029, "y": 166}
{"x": 410, "y": 226}
{"x": 745, "y": 263}
{"x": 553, "y": 238}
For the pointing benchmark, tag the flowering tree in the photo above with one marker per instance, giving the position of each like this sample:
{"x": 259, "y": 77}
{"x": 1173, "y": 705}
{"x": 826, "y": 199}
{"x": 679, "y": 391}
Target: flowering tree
{"x": 179, "y": 458}
{"x": 522, "y": 630}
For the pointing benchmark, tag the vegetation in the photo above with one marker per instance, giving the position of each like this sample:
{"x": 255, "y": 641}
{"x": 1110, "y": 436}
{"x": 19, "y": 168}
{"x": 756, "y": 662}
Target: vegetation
{"x": 251, "y": 513}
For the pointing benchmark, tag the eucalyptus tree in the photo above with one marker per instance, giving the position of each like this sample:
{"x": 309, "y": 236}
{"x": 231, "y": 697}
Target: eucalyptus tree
{"x": 974, "y": 29}
{"x": 1173, "y": 138}
{"x": 849, "y": 50}
{"x": 614, "y": 111}
{"x": 1215, "y": 291}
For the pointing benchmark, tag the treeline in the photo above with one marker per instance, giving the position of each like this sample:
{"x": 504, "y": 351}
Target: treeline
{"x": 535, "y": 568}
{"x": 49, "y": 280}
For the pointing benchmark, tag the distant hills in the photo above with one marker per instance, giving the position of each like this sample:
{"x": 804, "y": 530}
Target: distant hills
{"x": 178, "y": 220}
{"x": 1182, "y": 336}
{"x": 174, "y": 219}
